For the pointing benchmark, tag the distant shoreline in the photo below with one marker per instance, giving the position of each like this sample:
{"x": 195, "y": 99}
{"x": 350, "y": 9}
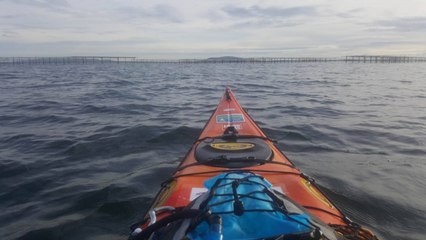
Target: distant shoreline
{"x": 225, "y": 59}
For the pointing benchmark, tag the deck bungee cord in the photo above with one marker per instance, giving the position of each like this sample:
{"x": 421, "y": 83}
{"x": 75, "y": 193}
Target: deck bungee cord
{"x": 242, "y": 189}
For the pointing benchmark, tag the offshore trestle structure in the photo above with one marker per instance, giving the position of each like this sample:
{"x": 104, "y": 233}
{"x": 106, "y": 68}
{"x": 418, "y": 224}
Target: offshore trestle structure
{"x": 125, "y": 59}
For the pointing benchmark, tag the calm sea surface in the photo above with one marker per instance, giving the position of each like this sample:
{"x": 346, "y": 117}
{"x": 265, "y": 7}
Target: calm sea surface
{"x": 84, "y": 148}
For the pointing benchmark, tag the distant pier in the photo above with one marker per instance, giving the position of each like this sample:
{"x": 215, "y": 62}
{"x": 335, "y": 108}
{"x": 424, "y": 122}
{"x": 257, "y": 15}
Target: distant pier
{"x": 66, "y": 60}
{"x": 127, "y": 60}
{"x": 383, "y": 59}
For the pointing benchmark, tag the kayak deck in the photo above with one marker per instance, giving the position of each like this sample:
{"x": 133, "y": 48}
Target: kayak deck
{"x": 228, "y": 143}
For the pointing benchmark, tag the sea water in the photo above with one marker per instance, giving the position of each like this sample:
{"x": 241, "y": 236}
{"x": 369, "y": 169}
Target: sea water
{"x": 84, "y": 148}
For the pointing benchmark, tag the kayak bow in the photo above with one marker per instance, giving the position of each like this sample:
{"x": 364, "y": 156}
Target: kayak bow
{"x": 234, "y": 183}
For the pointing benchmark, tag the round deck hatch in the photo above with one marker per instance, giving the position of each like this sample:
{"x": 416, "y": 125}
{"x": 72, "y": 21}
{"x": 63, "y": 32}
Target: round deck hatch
{"x": 236, "y": 153}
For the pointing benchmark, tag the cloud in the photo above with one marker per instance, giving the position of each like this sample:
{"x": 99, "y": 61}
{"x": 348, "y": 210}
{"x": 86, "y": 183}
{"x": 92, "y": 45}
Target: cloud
{"x": 68, "y": 48}
{"x": 269, "y": 12}
{"x": 8, "y": 34}
{"x": 414, "y": 24}
{"x": 275, "y": 17}
{"x": 49, "y": 4}
{"x": 160, "y": 12}
{"x": 190, "y": 28}
{"x": 353, "y": 13}
{"x": 266, "y": 22}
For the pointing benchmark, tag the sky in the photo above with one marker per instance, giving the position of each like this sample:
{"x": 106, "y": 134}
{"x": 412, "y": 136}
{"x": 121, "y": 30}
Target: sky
{"x": 210, "y": 28}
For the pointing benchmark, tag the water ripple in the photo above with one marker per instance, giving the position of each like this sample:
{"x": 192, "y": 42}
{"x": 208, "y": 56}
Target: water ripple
{"x": 84, "y": 148}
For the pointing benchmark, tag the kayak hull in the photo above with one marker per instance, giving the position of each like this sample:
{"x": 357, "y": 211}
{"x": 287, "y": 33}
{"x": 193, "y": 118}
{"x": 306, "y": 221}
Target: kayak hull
{"x": 187, "y": 183}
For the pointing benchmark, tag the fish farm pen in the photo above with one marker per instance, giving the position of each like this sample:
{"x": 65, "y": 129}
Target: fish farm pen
{"x": 122, "y": 59}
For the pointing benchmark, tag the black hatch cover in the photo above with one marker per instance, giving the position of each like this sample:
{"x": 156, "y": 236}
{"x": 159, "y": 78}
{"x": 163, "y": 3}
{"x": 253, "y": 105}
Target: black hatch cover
{"x": 235, "y": 153}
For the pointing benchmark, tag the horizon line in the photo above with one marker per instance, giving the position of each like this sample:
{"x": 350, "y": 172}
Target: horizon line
{"x": 224, "y": 59}
{"x": 213, "y": 57}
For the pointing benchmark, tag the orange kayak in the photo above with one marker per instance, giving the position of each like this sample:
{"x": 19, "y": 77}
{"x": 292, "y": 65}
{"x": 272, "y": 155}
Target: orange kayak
{"x": 233, "y": 149}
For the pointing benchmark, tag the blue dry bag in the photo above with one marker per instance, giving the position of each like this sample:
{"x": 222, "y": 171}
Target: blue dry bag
{"x": 248, "y": 209}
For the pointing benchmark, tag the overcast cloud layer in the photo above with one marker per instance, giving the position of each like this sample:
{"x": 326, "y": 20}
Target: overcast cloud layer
{"x": 191, "y": 28}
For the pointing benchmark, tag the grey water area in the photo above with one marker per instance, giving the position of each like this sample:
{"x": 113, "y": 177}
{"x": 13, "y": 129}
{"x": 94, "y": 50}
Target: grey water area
{"x": 84, "y": 148}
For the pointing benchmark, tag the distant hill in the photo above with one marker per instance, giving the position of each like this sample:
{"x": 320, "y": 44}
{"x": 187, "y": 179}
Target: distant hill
{"x": 224, "y": 58}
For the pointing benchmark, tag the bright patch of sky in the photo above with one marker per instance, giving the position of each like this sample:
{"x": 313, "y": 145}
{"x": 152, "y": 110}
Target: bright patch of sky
{"x": 197, "y": 29}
